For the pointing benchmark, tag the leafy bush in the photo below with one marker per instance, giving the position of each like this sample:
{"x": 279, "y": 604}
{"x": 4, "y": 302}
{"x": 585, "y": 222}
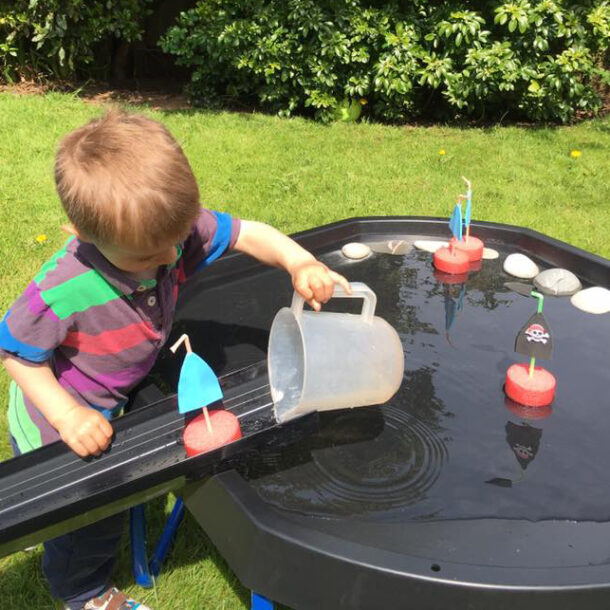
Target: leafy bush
{"x": 537, "y": 59}
{"x": 58, "y": 37}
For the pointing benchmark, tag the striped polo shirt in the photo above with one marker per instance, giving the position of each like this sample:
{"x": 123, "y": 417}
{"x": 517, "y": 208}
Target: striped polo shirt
{"x": 100, "y": 330}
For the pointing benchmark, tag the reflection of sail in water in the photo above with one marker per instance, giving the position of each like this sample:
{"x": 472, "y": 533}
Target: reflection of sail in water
{"x": 524, "y": 440}
{"x": 453, "y": 306}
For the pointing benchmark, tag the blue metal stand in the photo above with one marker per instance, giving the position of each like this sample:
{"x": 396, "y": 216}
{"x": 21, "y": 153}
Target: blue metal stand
{"x": 173, "y": 521}
{"x": 143, "y": 571}
{"x": 260, "y": 603}
{"x": 139, "y": 561}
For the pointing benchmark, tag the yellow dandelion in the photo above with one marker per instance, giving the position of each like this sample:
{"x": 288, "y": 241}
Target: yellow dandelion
{"x": 441, "y": 152}
{"x": 41, "y": 238}
{"x": 575, "y": 154}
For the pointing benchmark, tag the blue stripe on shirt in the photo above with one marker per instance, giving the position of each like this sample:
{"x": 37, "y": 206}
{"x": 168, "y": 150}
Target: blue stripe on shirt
{"x": 221, "y": 240}
{"x": 28, "y": 352}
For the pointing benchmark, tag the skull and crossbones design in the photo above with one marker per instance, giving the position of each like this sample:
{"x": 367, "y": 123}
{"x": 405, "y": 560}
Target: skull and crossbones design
{"x": 536, "y": 333}
{"x": 523, "y": 451}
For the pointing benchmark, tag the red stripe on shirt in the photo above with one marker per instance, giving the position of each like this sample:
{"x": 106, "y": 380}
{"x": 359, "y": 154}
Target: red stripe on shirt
{"x": 111, "y": 341}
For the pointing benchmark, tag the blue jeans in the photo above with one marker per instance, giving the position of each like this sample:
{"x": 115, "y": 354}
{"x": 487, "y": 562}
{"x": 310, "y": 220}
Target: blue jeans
{"x": 78, "y": 565}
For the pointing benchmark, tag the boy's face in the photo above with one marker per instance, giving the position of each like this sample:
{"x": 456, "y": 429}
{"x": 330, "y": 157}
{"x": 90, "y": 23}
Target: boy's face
{"x": 142, "y": 260}
{"x": 141, "y": 263}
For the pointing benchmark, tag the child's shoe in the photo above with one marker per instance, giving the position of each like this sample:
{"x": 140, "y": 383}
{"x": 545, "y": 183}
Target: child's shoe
{"x": 113, "y": 599}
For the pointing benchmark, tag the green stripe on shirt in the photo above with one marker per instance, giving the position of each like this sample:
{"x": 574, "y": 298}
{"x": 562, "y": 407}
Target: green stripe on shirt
{"x": 20, "y": 425}
{"x": 79, "y": 293}
{"x": 51, "y": 264}
{"x": 178, "y": 257}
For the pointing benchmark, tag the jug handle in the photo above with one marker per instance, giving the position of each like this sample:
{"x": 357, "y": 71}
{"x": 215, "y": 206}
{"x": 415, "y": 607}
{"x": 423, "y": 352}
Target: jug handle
{"x": 359, "y": 291}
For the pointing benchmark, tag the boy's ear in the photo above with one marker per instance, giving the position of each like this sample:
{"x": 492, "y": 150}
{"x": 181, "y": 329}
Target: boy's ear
{"x": 72, "y": 230}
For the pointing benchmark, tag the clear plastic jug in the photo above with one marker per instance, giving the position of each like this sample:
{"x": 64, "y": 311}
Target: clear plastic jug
{"x": 320, "y": 361}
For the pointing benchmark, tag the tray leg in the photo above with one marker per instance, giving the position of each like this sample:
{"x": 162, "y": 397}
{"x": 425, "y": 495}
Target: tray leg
{"x": 139, "y": 562}
{"x": 261, "y": 603}
{"x": 169, "y": 532}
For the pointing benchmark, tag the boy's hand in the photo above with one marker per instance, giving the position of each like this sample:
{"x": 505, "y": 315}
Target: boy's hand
{"x": 84, "y": 430}
{"x": 315, "y": 282}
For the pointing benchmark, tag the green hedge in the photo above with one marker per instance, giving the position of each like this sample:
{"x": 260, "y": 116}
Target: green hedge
{"x": 57, "y": 38}
{"x": 538, "y": 60}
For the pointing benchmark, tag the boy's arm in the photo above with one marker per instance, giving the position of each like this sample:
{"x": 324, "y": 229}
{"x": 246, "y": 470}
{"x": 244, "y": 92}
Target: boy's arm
{"x": 83, "y": 429}
{"x": 313, "y": 280}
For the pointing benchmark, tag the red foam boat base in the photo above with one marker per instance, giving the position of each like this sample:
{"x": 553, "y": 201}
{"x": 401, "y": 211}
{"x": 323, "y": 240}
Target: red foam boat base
{"x": 198, "y": 439}
{"x": 455, "y": 263}
{"x": 535, "y": 391}
{"x": 450, "y": 278}
{"x": 523, "y": 412}
{"x": 471, "y": 246}
{"x": 475, "y": 266}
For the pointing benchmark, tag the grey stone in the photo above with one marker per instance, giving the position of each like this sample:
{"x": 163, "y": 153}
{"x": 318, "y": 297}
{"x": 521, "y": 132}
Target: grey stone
{"x": 519, "y": 265}
{"x": 558, "y": 282}
{"x": 490, "y": 254}
{"x": 592, "y": 300}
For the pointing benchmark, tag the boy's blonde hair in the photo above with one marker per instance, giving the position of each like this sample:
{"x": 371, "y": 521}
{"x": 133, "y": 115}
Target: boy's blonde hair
{"x": 124, "y": 180}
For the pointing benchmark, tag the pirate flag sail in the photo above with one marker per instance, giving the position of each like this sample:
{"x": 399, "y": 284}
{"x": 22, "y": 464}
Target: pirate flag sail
{"x": 532, "y": 386}
{"x": 534, "y": 339}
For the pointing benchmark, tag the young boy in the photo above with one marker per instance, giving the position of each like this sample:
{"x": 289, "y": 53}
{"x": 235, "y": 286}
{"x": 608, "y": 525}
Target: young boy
{"x": 90, "y": 325}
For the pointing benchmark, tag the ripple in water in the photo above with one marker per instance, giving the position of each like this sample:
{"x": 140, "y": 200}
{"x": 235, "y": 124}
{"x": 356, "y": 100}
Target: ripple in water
{"x": 385, "y": 474}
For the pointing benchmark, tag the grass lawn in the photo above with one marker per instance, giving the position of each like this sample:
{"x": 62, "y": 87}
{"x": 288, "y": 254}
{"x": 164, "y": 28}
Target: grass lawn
{"x": 293, "y": 174}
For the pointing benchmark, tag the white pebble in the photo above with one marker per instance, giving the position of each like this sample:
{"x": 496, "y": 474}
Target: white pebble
{"x": 521, "y": 266}
{"x": 592, "y": 300}
{"x": 355, "y": 250}
{"x": 430, "y": 246}
{"x": 490, "y": 254}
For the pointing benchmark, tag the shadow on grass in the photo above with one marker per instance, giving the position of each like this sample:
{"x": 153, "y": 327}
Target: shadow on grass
{"x": 191, "y": 546}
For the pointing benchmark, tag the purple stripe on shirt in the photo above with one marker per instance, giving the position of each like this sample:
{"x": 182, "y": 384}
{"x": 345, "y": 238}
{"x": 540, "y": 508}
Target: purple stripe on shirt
{"x": 35, "y": 303}
{"x": 68, "y": 374}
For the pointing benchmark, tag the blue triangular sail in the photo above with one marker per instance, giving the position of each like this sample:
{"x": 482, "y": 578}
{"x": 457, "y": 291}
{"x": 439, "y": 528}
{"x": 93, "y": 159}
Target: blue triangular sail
{"x": 455, "y": 222}
{"x": 198, "y": 385}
